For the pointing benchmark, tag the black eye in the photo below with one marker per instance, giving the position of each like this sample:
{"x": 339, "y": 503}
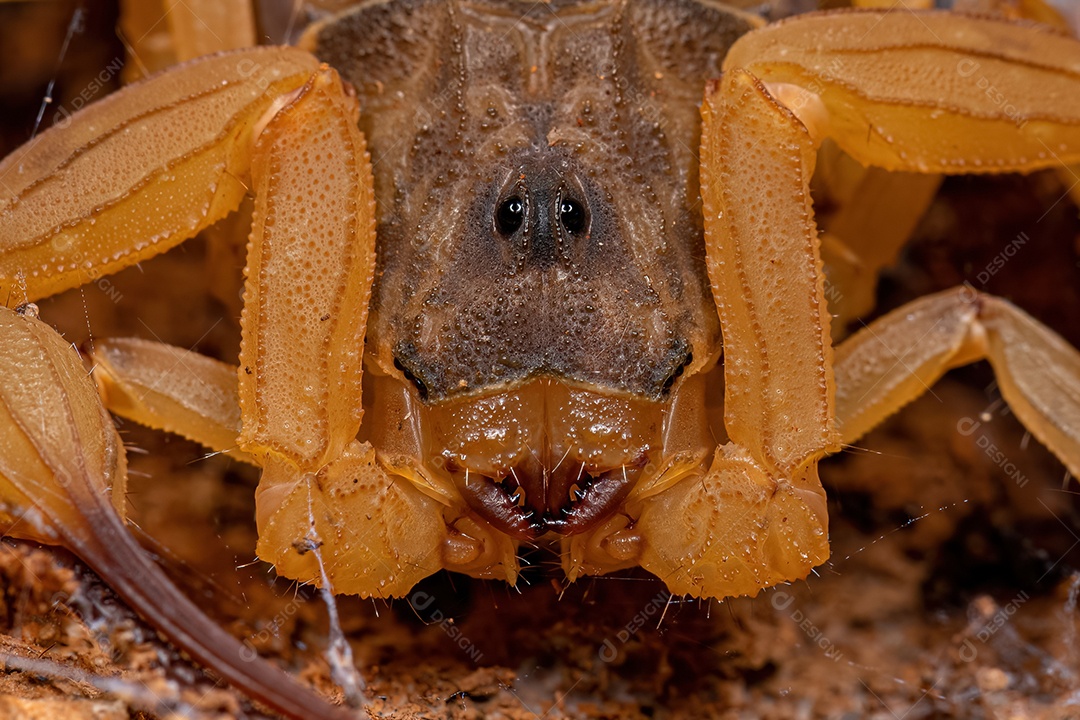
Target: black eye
{"x": 677, "y": 372}
{"x": 510, "y": 215}
{"x": 420, "y": 386}
{"x": 572, "y": 215}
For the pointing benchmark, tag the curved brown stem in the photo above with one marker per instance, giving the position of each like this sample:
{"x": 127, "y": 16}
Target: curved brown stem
{"x": 108, "y": 548}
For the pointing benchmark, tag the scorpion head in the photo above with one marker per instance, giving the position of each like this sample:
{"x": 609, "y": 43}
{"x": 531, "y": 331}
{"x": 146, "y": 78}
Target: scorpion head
{"x": 541, "y": 316}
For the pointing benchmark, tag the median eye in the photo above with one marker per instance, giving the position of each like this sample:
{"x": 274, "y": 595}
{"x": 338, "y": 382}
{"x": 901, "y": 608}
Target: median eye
{"x": 572, "y": 215}
{"x": 510, "y": 215}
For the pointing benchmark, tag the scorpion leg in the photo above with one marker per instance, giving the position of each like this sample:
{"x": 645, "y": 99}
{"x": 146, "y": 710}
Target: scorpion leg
{"x": 874, "y": 111}
{"x": 867, "y": 234}
{"x": 141, "y": 170}
{"x": 62, "y": 479}
{"x": 873, "y": 81}
{"x": 757, "y": 516}
{"x": 172, "y": 389}
{"x": 158, "y": 34}
{"x": 311, "y": 262}
{"x": 908, "y": 90}
{"x": 153, "y": 164}
{"x": 183, "y": 392}
{"x": 297, "y": 402}
{"x": 898, "y": 357}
